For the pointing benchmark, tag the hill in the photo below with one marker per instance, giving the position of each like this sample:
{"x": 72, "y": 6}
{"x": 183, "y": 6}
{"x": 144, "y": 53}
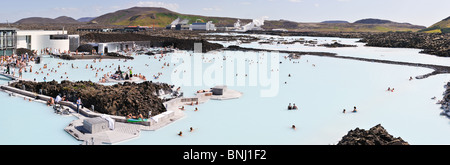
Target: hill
{"x": 334, "y": 21}
{"x": 356, "y": 27}
{"x": 85, "y": 19}
{"x": 373, "y": 21}
{"x": 41, "y": 20}
{"x": 159, "y": 17}
{"x": 439, "y": 27}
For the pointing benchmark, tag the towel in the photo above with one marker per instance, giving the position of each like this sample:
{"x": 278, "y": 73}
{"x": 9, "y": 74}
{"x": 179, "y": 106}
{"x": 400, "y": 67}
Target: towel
{"x": 110, "y": 121}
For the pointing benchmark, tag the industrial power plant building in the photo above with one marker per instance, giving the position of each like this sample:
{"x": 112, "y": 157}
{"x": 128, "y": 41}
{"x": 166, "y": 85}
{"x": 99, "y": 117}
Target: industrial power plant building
{"x": 209, "y": 26}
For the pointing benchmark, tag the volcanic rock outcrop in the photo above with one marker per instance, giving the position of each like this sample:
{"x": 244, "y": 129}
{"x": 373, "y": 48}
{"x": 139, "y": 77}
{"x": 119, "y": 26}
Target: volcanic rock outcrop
{"x": 376, "y": 135}
{"x": 118, "y": 99}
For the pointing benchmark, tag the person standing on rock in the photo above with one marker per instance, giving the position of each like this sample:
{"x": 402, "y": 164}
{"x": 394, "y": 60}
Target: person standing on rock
{"x": 78, "y": 104}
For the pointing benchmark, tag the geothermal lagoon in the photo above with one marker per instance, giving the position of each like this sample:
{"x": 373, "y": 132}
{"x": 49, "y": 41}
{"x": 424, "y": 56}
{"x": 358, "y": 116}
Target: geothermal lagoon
{"x": 321, "y": 87}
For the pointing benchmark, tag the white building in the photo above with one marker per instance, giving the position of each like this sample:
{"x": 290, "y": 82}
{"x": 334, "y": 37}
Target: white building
{"x": 55, "y": 40}
{"x": 254, "y": 25}
{"x": 104, "y": 48}
{"x": 280, "y": 30}
{"x": 203, "y": 26}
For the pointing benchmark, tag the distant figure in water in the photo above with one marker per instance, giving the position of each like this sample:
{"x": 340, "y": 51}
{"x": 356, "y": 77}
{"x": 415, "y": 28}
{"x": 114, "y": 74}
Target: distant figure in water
{"x": 180, "y": 134}
{"x": 389, "y": 89}
{"x": 294, "y": 107}
{"x": 289, "y": 106}
{"x": 343, "y": 111}
{"x": 191, "y": 129}
{"x": 410, "y": 78}
{"x": 293, "y": 127}
{"x": 289, "y": 75}
{"x": 196, "y": 109}
{"x": 354, "y": 109}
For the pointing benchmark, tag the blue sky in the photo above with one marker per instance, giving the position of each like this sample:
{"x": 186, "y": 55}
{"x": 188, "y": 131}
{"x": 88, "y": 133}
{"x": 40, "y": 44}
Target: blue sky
{"x": 419, "y": 12}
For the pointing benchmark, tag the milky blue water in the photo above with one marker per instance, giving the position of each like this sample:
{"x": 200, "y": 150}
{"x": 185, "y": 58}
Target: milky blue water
{"x": 31, "y": 123}
{"x": 321, "y": 87}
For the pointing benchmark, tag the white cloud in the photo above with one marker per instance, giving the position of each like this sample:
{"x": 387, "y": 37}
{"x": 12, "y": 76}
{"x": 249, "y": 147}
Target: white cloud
{"x": 170, "y": 6}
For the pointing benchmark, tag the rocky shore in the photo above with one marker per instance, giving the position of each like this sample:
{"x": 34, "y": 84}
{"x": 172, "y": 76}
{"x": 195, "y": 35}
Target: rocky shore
{"x": 431, "y": 43}
{"x": 376, "y": 135}
{"x": 293, "y": 54}
{"x": 156, "y": 41}
{"x": 445, "y": 102}
{"x": 336, "y": 45}
{"x": 119, "y": 99}
{"x": 107, "y": 56}
{"x": 438, "y": 69}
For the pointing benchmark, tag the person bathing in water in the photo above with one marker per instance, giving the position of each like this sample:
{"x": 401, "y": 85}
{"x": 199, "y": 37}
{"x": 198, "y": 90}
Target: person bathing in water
{"x": 289, "y": 106}
{"x": 354, "y": 109}
{"x": 390, "y": 90}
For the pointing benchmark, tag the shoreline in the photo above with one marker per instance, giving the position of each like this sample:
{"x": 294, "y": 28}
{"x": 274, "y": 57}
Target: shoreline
{"x": 90, "y": 57}
{"x": 430, "y": 43}
{"x": 438, "y": 69}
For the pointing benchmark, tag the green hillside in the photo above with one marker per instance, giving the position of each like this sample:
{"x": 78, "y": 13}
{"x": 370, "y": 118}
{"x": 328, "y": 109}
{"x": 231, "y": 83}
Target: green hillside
{"x": 161, "y": 17}
{"x": 439, "y": 27}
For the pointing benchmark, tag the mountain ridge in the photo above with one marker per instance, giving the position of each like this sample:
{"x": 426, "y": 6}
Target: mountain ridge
{"x": 442, "y": 26}
{"x": 161, "y": 17}
{"x": 44, "y": 20}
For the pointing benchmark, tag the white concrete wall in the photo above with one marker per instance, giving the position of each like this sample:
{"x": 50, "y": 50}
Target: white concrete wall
{"x": 40, "y": 39}
{"x": 115, "y": 46}
{"x": 198, "y": 27}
